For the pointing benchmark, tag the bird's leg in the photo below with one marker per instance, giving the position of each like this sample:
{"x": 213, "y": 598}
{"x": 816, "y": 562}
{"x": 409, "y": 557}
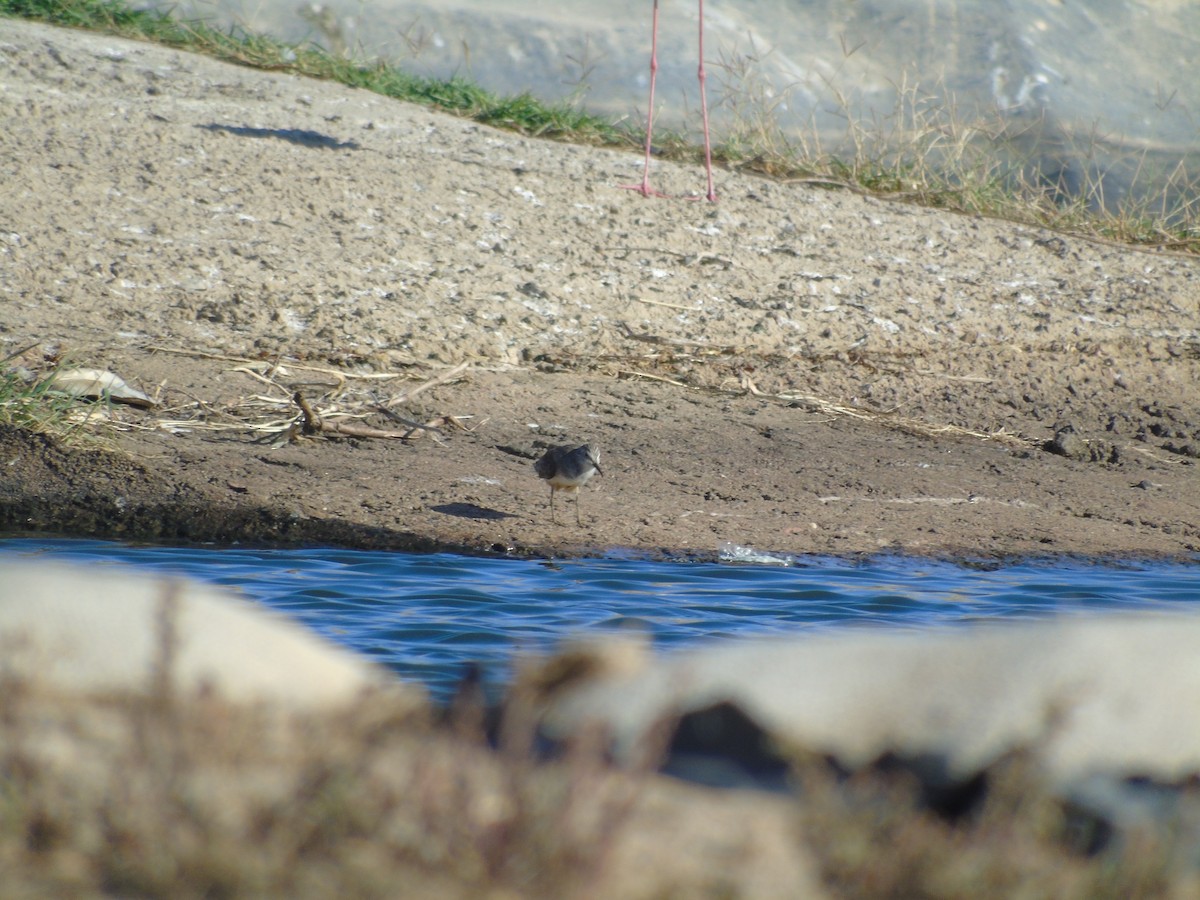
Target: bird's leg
{"x": 644, "y": 188}
{"x": 552, "y": 519}
{"x": 712, "y": 194}
{"x": 578, "y": 497}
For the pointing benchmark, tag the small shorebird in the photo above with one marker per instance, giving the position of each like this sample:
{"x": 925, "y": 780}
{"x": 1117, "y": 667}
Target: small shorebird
{"x": 567, "y": 470}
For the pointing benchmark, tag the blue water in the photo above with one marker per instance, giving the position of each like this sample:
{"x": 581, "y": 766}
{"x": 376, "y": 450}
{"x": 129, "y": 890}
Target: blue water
{"x": 428, "y": 616}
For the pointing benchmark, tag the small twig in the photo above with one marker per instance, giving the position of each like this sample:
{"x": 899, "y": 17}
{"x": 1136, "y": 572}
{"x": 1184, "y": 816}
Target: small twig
{"x": 974, "y": 379}
{"x": 448, "y": 375}
{"x": 635, "y": 374}
{"x": 396, "y": 417}
{"x": 668, "y": 342}
{"x": 314, "y": 424}
{"x": 20, "y": 352}
{"x": 257, "y": 376}
{"x": 893, "y": 419}
{"x": 670, "y": 305}
{"x": 354, "y": 429}
{"x": 685, "y": 258}
{"x": 412, "y": 425}
{"x": 334, "y": 373}
{"x": 751, "y": 387}
{"x": 818, "y": 179}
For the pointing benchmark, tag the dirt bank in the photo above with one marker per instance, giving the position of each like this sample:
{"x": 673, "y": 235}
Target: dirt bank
{"x": 792, "y": 369}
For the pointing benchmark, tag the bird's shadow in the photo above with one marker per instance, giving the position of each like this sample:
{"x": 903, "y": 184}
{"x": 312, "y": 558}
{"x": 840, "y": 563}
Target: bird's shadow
{"x": 301, "y": 136}
{"x": 471, "y": 511}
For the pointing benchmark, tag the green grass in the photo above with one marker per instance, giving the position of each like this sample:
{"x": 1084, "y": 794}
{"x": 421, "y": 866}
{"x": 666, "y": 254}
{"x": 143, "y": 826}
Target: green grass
{"x": 31, "y": 403}
{"x": 922, "y": 153}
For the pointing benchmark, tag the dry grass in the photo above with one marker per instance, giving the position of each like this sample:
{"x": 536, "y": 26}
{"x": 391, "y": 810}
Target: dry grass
{"x": 930, "y": 152}
{"x": 196, "y": 798}
{"x": 876, "y": 836}
{"x": 159, "y": 795}
{"x": 166, "y": 793}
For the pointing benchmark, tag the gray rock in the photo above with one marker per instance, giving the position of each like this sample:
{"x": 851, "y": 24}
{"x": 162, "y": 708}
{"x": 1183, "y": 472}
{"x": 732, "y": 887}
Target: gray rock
{"x": 1100, "y": 696}
{"x": 91, "y": 630}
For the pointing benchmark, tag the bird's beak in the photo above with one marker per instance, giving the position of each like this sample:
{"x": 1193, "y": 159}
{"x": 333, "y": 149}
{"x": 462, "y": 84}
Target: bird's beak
{"x": 599, "y": 471}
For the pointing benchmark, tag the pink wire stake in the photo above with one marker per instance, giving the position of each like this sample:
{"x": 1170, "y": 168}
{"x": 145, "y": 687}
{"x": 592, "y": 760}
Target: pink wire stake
{"x": 644, "y": 188}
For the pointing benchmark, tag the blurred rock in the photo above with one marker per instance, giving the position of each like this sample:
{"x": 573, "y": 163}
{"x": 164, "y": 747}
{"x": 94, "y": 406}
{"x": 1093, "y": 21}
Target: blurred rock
{"x": 1101, "y": 696}
{"x": 102, "y": 631}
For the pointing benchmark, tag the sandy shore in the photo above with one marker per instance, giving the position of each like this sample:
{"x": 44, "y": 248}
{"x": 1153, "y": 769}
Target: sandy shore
{"x": 792, "y": 369}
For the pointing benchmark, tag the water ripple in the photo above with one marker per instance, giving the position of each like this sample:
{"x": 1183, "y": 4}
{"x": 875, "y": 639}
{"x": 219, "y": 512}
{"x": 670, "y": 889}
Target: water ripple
{"x": 427, "y": 616}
